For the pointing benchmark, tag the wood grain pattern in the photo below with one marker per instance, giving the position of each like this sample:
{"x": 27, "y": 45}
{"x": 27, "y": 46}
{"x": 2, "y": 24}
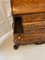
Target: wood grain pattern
{"x": 32, "y": 13}
{"x": 27, "y": 6}
{"x": 27, "y": 39}
{"x": 27, "y": 3}
{"x": 34, "y": 17}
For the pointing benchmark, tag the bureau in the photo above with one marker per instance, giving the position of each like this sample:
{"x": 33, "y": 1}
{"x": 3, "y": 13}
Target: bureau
{"x": 28, "y": 22}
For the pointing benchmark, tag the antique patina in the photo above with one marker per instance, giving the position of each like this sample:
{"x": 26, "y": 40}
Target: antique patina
{"x": 28, "y": 21}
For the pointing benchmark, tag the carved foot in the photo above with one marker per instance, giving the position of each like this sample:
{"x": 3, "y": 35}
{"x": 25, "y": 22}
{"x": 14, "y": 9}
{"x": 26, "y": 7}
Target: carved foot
{"x": 16, "y": 46}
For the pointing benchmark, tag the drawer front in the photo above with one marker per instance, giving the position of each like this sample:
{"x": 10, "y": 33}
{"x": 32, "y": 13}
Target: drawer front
{"x": 27, "y": 38}
{"x": 35, "y": 17}
{"x": 33, "y": 22}
{"x": 33, "y": 25}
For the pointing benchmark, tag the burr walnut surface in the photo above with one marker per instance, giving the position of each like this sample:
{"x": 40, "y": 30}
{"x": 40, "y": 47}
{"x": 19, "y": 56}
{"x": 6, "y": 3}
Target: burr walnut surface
{"x": 28, "y": 21}
{"x": 27, "y": 6}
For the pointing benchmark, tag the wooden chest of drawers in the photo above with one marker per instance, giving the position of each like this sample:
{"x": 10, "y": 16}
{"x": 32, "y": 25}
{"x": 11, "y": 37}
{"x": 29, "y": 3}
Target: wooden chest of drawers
{"x": 28, "y": 21}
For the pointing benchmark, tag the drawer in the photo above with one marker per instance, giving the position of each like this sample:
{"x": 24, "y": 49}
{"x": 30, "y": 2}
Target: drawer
{"x": 29, "y": 38}
{"x": 34, "y": 25}
{"x": 35, "y": 17}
